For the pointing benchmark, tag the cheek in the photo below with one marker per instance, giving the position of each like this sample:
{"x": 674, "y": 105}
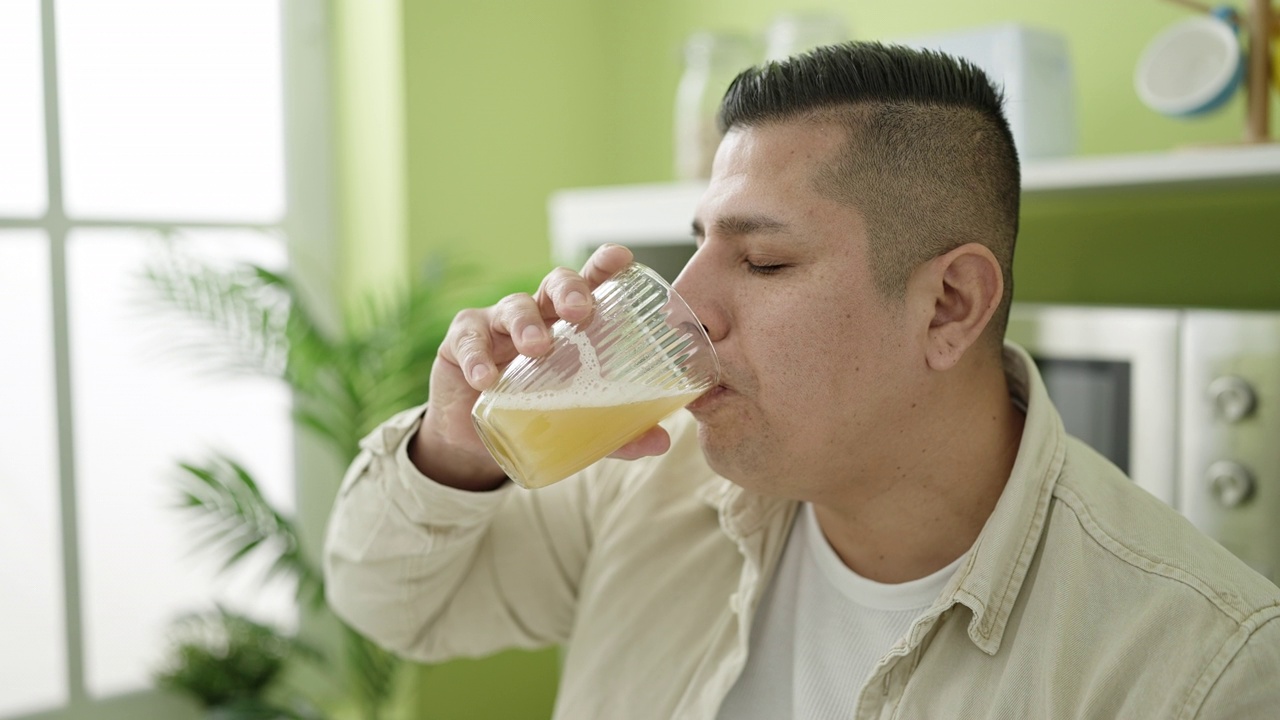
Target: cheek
{"x": 803, "y": 367}
{"x": 825, "y": 366}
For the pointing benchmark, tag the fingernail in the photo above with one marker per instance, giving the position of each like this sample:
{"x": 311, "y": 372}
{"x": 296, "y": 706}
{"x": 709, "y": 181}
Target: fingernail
{"x": 479, "y": 372}
{"x": 531, "y": 334}
{"x": 575, "y": 298}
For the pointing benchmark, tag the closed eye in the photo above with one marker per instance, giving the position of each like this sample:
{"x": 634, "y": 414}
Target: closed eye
{"x": 765, "y": 269}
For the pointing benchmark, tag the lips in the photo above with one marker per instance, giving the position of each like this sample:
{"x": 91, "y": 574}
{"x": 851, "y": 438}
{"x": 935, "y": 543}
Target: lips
{"x": 708, "y": 398}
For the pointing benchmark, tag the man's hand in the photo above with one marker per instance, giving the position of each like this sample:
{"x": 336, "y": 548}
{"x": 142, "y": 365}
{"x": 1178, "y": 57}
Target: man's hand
{"x": 481, "y": 342}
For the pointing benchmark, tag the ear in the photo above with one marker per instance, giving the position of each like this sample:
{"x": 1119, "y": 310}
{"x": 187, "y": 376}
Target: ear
{"x": 964, "y": 287}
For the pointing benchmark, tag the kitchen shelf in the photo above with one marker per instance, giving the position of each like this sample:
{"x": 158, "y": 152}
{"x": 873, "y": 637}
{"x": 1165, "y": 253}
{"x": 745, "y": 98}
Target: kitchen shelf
{"x": 659, "y": 214}
{"x": 1192, "y": 167}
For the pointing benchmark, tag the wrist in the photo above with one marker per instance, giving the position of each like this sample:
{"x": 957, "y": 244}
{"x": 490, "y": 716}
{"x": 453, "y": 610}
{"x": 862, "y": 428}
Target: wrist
{"x": 465, "y": 466}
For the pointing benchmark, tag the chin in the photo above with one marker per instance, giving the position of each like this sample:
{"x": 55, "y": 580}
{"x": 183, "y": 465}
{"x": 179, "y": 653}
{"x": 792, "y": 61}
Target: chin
{"x": 735, "y": 459}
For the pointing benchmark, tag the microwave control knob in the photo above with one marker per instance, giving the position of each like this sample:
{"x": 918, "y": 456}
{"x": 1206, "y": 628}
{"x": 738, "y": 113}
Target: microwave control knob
{"x": 1233, "y": 398}
{"x": 1230, "y": 482}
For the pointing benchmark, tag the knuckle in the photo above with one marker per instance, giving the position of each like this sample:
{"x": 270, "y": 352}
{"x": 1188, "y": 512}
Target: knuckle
{"x": 467, "y": 317}
{"x": 560, "y": 284}
{"x": 556, "y": 278}
{"x": 470, "y": 343}
{"x": 515, "y": 311}
{"x": 464, "y": 327}
{"x": 514, "y": 305}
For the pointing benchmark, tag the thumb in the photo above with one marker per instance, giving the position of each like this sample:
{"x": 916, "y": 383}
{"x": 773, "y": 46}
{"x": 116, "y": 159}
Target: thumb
{"x": 654, "y": 441}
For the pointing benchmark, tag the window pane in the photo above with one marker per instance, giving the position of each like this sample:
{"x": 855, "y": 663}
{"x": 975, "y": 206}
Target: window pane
{"x": 141, "y": 406}
{"x": 22, "y": 178}
{"x": 33, "y": 656}
{"x": 171, "y": 110}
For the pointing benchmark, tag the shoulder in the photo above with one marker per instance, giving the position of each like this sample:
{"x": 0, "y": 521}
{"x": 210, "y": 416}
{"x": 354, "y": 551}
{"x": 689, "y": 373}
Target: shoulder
{"x": 1136, "y": 535}
{"x": 1126, "y": 586}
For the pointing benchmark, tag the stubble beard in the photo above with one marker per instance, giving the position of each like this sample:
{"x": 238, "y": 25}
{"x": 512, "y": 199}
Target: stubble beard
{"x": 733, "y": 453}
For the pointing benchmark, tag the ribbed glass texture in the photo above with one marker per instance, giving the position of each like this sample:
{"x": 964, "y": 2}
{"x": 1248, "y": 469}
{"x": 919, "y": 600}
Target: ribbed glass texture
{"x": 642, "y": 332}
{"x": 640, "y": 356}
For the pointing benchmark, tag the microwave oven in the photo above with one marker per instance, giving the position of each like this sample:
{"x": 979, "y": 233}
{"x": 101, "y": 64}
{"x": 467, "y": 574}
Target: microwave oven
{"x": 1185, "y": 401}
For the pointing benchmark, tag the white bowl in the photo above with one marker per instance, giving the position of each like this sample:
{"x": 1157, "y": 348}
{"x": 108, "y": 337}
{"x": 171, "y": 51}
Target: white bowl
{"x": 1191, "y": 68}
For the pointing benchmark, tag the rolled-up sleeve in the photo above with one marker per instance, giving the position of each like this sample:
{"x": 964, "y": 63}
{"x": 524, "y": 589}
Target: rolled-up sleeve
{"x": 432, "y": 572}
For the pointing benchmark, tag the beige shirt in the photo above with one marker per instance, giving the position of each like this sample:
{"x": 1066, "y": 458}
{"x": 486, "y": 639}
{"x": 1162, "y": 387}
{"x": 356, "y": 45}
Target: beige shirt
{"x": 1083, "y": 597}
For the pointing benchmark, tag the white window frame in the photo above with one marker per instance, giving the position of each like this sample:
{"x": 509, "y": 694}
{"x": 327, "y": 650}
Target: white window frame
{"x": 308, "y": 169}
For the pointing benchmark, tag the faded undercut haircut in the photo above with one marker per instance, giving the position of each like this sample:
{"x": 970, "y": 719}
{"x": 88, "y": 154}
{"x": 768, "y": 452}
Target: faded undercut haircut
{"x": 930, "y": 162}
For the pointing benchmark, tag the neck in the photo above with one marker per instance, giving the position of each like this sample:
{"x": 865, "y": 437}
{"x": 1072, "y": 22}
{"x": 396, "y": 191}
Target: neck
{"x": 924, "y": 514}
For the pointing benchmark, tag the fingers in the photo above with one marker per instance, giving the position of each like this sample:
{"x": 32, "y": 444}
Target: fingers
{"x": 566, "y": 294}
{"x": 518, "y": 319}
{"x": 481, "y": 341}
{"x": 655, "y": 441}
{"x": 469, "y": 345}
{"x": 607, "y": 260}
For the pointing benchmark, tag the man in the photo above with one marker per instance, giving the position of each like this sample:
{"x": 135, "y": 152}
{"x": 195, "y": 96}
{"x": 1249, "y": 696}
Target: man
{"x": 876, "y": 514}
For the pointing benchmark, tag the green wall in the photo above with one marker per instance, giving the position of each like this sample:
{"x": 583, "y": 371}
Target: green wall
{"x": 1106, "y": 38}
{"x": 1213, "y": 248}
{"x": 507, "y": 101}
{"x": 504, "y": 106}
{"x": 368, "y": 85}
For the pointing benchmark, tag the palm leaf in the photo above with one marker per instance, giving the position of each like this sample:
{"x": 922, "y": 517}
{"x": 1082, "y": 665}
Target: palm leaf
{"x": 373, "y": 679}
{"x": 235, "y": 521}
{"x": 243, "y": 320}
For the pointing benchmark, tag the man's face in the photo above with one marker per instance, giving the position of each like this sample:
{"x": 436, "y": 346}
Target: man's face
{"x": 818, "y": 370}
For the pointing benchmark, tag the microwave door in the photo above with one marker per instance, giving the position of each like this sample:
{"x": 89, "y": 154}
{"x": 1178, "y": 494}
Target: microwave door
{"x": 1094, "y": 399}
{"x": 1113, "y": 375}
{"x": 1230, "y": 484}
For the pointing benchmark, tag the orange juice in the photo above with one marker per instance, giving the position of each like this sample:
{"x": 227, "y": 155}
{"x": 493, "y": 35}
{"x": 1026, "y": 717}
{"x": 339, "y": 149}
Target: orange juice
{"x": 640, "y": 356}
{"x": 541, "y": 440}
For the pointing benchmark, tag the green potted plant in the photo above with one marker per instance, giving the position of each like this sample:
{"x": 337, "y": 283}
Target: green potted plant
{"x": 232, "y": 666}
{"x": 256, "y": 320}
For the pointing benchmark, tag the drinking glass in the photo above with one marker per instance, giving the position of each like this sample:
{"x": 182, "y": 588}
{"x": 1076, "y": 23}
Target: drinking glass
{"x": 639, "y": 357}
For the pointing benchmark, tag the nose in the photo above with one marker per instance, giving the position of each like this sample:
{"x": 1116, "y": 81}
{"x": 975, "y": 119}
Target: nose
{"x": 696, "y": 284}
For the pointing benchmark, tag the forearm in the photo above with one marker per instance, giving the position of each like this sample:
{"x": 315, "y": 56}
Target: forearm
{"x": 431, "y": 571}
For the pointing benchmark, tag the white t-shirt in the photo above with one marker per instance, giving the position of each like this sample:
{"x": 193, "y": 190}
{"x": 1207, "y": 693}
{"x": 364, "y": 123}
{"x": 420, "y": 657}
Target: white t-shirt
{"x": 820, "y": 630}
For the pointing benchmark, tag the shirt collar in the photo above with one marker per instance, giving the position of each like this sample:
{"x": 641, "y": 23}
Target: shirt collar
{"x": 989, "y": 581}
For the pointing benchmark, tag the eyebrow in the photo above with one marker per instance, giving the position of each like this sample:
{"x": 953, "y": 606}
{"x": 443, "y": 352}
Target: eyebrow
{"x": 741, "y": 225}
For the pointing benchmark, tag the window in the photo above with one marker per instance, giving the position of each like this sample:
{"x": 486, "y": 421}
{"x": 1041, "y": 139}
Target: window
{"x": 125, "y": 123}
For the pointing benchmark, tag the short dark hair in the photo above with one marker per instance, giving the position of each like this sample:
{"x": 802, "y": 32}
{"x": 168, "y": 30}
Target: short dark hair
{"x": 930, "y": 161}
